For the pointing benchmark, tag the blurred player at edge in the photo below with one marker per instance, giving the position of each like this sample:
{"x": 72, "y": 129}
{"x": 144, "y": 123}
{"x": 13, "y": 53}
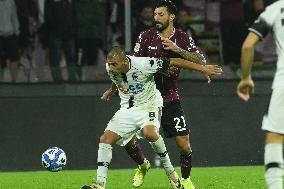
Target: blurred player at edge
{"x": 272, "y": 19}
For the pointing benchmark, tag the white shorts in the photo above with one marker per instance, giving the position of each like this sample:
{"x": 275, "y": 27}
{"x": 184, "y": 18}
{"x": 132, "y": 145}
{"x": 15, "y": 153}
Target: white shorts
{"x": 274, "y": 120}
{"x": 129, "y": 122}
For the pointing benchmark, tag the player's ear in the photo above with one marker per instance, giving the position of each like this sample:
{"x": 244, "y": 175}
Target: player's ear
{"x": 125, "y": 61}
{"x": 172, "y": 17}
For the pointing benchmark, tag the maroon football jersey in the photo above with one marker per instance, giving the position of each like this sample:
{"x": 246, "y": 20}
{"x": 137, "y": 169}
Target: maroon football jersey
{"x": 149, "y": 44}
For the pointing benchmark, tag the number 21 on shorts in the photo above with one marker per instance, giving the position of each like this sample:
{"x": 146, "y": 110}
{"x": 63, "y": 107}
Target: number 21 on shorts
{"x": 180, "y": 124}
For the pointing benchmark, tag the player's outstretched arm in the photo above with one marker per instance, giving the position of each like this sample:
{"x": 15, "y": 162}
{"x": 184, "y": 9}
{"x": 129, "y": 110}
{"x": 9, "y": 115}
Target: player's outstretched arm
{"x": 190, "y": 56}
{"x": 205, "y": 69}
{"x": 109, "y": 93}
{"x": 246, "y": 85}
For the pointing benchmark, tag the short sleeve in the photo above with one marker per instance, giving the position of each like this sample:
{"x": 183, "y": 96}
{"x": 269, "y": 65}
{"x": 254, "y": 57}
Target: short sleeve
{"x": 140, "y": 45}
{"x": 263, "y": 24}
{"x": 187, "y": 43}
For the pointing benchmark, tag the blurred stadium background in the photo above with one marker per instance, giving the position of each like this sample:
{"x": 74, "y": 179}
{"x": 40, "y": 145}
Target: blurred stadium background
{"x": 39, "y": 109}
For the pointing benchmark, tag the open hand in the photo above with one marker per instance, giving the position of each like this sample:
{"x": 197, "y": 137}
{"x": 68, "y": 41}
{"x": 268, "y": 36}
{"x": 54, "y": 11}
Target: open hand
{"x": 208, "y": 70}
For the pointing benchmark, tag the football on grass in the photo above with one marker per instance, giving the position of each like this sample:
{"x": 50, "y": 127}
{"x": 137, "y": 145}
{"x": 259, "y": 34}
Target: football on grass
{"x": 54, "y": 159}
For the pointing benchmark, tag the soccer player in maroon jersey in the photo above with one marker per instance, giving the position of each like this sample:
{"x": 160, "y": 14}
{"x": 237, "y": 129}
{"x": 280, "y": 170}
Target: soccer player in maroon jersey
{"x": 164, "y": 40}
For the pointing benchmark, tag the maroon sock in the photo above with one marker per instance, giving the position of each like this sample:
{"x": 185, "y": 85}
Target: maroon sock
{"x": 135, "y": 152}
{"x": 185, "y": 164}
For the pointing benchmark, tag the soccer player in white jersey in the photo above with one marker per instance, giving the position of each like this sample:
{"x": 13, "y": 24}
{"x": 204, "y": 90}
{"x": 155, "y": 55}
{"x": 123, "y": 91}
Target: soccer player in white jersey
{"x": 272, "y": 19}
{"x": 140, "y": 109}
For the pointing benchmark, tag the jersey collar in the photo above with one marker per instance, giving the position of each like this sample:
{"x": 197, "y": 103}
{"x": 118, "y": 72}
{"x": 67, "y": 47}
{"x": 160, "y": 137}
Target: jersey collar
{"x": 129, "y": 62}
{"x": 172, "y": 34}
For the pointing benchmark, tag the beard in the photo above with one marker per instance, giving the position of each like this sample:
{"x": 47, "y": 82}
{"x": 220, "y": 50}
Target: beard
{"x": 161, "y": 26}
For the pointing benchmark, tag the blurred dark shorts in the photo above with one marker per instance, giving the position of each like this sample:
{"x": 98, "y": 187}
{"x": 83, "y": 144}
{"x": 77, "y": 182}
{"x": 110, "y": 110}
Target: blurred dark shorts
{"x": 173, "y": 120}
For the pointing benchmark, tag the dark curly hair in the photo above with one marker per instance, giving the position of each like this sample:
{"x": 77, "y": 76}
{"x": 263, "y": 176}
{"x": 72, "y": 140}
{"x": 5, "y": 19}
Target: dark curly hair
{"x": 166, "y": 3}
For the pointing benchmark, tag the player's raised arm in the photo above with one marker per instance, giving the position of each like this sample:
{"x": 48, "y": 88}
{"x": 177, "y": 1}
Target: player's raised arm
{"x": 162, "y": 65}
{"x": 205, "y": 69}
{"x": 193, "y": 56}
{"x": 187, "y": 51}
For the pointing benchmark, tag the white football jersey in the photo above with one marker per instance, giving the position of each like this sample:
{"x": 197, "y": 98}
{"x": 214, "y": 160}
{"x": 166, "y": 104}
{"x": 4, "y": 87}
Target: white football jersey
{"x": 137, "y": 87}
{"x": 272, "y": 19}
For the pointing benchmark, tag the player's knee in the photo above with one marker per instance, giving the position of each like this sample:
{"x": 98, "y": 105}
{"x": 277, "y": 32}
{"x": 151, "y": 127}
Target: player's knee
{"x": 150, "y": 133}
{"x": 106, "y": 139}
{"x": 151, "y": 137}
{"x": 103, "y": 139}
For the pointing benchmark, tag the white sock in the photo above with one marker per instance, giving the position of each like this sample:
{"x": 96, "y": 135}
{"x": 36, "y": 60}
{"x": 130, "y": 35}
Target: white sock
{"x": 160, "y": 148}
{"x": 104, "y": 159}
{"x": 273, "y": 160}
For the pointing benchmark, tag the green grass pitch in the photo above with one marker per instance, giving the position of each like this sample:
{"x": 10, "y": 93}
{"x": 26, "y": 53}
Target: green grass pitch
{"x": 250, "y": 177}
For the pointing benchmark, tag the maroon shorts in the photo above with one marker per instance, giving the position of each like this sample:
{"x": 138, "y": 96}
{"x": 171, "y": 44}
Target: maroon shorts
{"x": 173, "y": 120}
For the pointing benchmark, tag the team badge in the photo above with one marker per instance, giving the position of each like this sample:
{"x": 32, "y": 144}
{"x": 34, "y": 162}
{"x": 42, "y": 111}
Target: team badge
{"x": 135, "y": 76}
{"x": 160, "y": 63}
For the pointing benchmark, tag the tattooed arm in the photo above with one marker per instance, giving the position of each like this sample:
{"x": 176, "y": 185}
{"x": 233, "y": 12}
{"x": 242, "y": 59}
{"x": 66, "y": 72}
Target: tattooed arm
{"x": 194, "y": 56}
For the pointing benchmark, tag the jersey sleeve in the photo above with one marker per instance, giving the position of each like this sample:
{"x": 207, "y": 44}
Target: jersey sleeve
{"x": 154, "y": 65}
{"x": 188, "y": 43}
{"x": 263, "y": 24}
{"x": 140, "y": 45}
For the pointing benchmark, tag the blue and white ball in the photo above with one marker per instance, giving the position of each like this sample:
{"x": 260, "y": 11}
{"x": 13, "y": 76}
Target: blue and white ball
{"x": 54, "y": 159}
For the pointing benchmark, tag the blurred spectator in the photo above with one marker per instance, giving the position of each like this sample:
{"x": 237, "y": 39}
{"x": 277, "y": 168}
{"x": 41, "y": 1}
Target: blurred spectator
{"x": 40, "y": 7}
{"x": 117, "y": 20}
{"x": 60, "y": 25}
{"x": 233, "y": 30}
{"x": 91, "y": 18}
{"x": 144, "y": 21}
{"x": 28, "y": 15}
{"x": 182, "y": 23}
{"x": 42, "y": 28}
{"x": 9, "y": 31}
{"x": 196, "y": 8}
{"x": 192, "y": 3}
{"x": 117, "y": 23}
